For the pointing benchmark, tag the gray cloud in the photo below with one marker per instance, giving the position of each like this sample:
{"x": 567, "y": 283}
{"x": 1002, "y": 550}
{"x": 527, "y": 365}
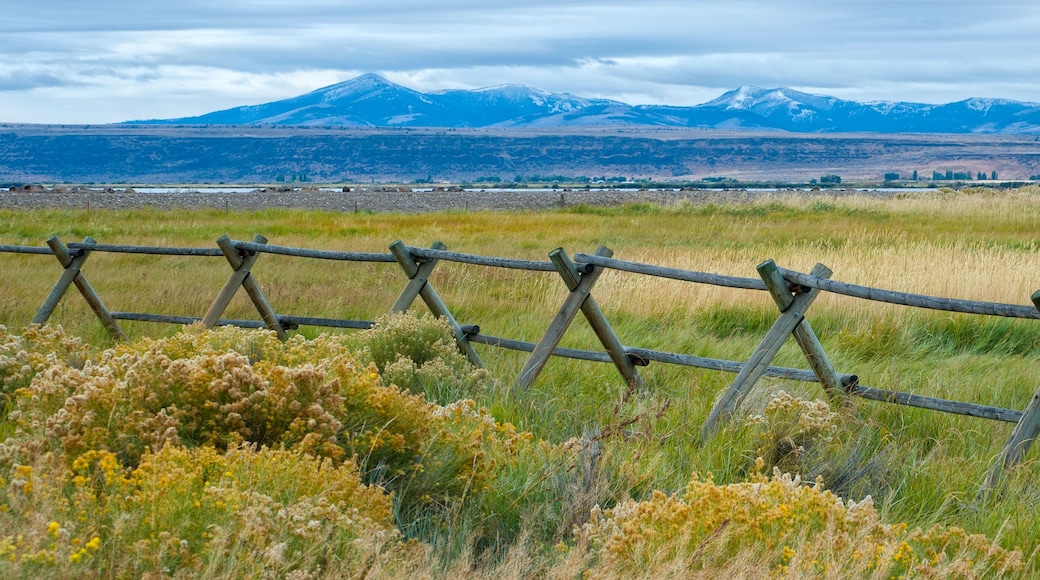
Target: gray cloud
{"x": 188, "y": 57}
{"x": 15, "y": 81}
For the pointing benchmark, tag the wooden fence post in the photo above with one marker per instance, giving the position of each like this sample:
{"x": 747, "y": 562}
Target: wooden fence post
{"x": 241, "y": 263}
{"x": 73, "y": 274}
{"x": 621, "y": 359}
{"x": 580, "y": 284}
{"x": 753, "y": 369}
{"x": 803, "y": 333}
{"x": 1022, "y": 437}
{"x": 418, "y": 274}
{"x": 419, "y": 285}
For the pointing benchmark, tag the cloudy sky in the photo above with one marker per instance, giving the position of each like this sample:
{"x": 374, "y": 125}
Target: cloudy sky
{"x": 97, "y": 61}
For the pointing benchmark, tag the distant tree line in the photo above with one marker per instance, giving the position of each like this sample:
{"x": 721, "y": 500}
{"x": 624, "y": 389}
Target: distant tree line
{"x": 950, "y": 175}
{"x": 292, "y": 178}
{"x": 536, "y": 178}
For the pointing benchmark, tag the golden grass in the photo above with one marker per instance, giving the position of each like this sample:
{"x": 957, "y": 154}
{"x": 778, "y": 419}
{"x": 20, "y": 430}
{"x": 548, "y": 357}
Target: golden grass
{"x": 926, "y": 466}
{"x": 967, "y": 246}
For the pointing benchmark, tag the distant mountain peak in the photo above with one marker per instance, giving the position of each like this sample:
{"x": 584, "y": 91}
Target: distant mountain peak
{"x": 365, "y": 84}
{"x": 752, "y": 98}
{"x": 371, "y": 78}
{"x": 984, "y": 105}
{"x": 371, "y": 100}
{"x": 734, "y": 99}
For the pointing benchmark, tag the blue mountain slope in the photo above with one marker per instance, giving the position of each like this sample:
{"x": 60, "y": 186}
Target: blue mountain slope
{"x": 372, "y": 101}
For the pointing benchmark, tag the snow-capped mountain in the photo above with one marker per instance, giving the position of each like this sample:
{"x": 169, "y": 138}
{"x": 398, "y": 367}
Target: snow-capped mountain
{"x": 372, "y": 101}
{"x": 520, "y": 106}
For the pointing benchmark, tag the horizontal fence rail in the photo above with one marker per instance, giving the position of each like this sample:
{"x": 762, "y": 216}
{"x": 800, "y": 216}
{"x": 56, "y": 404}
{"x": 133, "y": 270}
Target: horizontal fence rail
{"x": 25, "y": 250}
{"x": 673, "y": 273}
{"x": 916, "y": 300}
{"x": 146, "y": 250}
{"x": 319, "y": 254}
{"x": 792, "y": 291}
{"x": 509, "y": 263}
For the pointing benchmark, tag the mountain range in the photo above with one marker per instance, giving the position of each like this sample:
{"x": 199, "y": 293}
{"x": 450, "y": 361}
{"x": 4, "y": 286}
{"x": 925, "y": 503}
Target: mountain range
{"x": 372, "y": 101}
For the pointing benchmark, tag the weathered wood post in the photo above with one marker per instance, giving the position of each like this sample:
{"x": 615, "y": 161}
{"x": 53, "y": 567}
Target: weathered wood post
{"x": 74, "y": 275}
{"x": 784, "y": 295}
{"x": 419, "y": 285}
{"x": 1022, "y": 437}
{"x": 756, "y": 366}
{"x": 580, "y": 284}
{"x": 241, "y": 263}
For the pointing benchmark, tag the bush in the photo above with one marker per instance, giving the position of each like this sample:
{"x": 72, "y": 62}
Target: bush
{"x": 229, "y": 389}
{"x": 418, "y": 354}
{"x": 38, "y": 348}
{"x": 773, "y": 526}
{"x": 788, "y": 427}
{"x": 241, "y": 513}
{"x": 807, "y": 438}
{"x": 196, "y": 388}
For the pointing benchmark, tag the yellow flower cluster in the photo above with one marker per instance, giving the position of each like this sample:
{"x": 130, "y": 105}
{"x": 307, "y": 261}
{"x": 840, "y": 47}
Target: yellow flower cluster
{"x": 47, "y": 536}
{"x": 186, "y": 390}
{"x": 775, "y": 526}
{"x": 36, "y": 349}
{"x": 280, "y": 510}
{"x": 418, "y": 354}
{"x": 231, "y": 450}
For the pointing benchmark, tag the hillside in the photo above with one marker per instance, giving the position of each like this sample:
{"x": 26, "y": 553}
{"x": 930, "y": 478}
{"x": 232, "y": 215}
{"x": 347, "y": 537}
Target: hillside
{"x": 192, "y": 154}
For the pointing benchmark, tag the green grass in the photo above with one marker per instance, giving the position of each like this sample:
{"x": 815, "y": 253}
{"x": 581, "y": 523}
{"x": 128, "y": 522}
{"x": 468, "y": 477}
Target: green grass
{"x": 921, "y": 467}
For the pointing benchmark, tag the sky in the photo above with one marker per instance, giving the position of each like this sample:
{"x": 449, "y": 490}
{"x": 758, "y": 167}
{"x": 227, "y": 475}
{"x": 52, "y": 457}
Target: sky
{"x": 102, "y": 61}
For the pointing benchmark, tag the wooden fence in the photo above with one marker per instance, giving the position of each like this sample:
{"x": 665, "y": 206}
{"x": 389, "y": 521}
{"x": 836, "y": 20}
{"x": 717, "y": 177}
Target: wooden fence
{"x": 793, "y": 292}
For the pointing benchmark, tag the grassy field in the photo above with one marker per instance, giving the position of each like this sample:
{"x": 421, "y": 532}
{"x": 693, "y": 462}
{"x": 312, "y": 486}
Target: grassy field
{"x": 920, "y": 468}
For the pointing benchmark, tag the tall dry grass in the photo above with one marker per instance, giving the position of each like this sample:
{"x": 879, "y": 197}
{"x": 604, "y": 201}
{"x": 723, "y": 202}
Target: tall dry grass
{"x": 920, "y": 467}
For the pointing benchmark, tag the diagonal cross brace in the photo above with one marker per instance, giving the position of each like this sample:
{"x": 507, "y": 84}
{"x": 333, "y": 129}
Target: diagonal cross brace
{"x": 1018, "y": 444}
{"x": 1021, "y": 440}
{"x": 241, "y": 263}
{"x": 419, "y": 286}
{"x": 73, "y": 275}
{"x": 580, "y": 284}
{"x": 790, "y": 318}
{"x": 783, "y": 295}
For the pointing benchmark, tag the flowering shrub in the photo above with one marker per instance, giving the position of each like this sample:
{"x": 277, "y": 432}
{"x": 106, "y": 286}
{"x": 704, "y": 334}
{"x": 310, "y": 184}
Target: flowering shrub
{"x": 277, "y": 510}
{"x": 789, "y": 426}
{"x": 230, "y": 386}
{"x": 775, "y": 526}
{"x": 231, "y": 453}
{"x": 419, "y": 355}
{"x": 243, "y": 512}
{"x": 211, "y": 392}
{"x": 138, "y": 397}
{"x": 38, "y": 348}
{"x": 401, "y": 335}
{"x": 153, "y": 429}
